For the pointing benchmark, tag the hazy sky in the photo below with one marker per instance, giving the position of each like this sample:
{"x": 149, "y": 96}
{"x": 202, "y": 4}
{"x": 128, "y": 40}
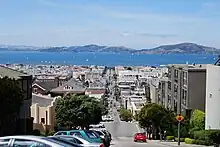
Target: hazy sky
{"x": 131, "y": 23}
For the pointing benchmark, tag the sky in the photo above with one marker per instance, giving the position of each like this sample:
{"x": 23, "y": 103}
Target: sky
{"x": 131, "y": 23}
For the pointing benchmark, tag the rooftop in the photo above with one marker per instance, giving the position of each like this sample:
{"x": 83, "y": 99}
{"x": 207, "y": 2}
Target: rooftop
{"x": 41, "y": 100}
{"x": 190, "y": 67}
{"x": 11, "y": 73}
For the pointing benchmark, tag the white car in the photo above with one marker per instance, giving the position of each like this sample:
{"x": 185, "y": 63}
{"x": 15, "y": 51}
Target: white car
{"x": 79, "y": 140}
{"x": 100, "y": 125}
{"x": 33, "y": 141}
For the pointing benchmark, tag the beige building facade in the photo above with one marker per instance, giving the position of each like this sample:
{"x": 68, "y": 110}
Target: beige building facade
{"x": 43, "y": 112}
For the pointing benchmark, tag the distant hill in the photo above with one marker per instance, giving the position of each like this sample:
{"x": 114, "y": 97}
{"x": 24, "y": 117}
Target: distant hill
{"x": 183, "y": 48}
{"x": 88, "y": 48}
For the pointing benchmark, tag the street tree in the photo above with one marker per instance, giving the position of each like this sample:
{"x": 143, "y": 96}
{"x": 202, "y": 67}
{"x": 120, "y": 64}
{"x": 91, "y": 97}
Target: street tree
{"x": 11, "y": 98}
{"x": 77, "y": 110}
{"x": 156, "y": 116}
{"x": 104, "y": 104}
{"x": 197, "y": 120}
{"x": 125, "y": 115}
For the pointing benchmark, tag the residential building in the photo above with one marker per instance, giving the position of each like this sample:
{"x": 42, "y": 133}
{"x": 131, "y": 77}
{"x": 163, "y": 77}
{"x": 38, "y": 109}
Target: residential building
{"x": 44, "y": 87}
{"x": 186, "y": 87}
{"x": 25, "y": 122}
{"x": 73, "y": 86}
{"x": 163, "y": 92}
{"x": 43, "y": 112}
{"x": 96, "y": 93}
{"x": 212, "y": 118}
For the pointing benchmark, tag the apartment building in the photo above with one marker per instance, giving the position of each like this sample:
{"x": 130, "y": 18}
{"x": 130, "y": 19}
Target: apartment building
{"x": 162, "y": 92}
{"x": 212, "y": 110}
{"x": 25, "y": 123}
{"x": 186, "y": 87}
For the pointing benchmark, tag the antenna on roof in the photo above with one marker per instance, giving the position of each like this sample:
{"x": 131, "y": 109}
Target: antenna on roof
{"x": 218, "y": 61}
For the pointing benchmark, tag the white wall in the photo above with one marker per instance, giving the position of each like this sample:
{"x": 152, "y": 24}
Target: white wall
{"x": 212, "y": 97}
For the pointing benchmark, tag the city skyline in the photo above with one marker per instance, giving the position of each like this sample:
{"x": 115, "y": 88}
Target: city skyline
{"x": 135, "y": 24}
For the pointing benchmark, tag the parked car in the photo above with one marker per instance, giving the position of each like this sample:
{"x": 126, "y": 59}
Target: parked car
{"x": 80, "y": 141}
{"x": 33, "y": 141}
{"x": 108, "y": 134}
{"x": 88, "y": 135}
{"x": 104, "y": 136}
{"x": 100, "y": 125}
{"x": 140, "y": 137}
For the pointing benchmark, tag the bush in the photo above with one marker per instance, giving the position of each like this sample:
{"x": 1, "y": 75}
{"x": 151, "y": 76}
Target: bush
{"x": 189, "y": 141}
{"x": 36, "y": 132}
{"x": 50, "y": 133}
{"x": 199, "y": 135}
{"x": 203, "y": 142}
{"x": 170, "y": 138}
{"x": 181, "y": 139}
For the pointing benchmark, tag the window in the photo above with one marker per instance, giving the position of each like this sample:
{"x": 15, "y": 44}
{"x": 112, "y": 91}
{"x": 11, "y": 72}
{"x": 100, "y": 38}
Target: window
{"x": 4, "y": 142}
{"x": 176, "y": 73}
{"x": 78, "y": 141}
{"x": 169, "y": 85}
{"x": 185, "y": 75}
{"x": 61, "y": 133}
{"x": 35, "y": 90}
{"x": 91, "y": 134}
{"x": 42, "y": 120}
{"x": 78, "y": 134}
{"x": 28, "y": 143}
{"x": 175, "y": 88}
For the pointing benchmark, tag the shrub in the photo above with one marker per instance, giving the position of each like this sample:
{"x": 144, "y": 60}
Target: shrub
{"x": 203, "y": 142}
{"x": 170, "y": 138}
{"x": 189, "y": 141}
{"x": 36, "y": 132}
{"x": 181, "y": 139}
{"x": 199, "y": 135}
{"x": 50, "y": 133}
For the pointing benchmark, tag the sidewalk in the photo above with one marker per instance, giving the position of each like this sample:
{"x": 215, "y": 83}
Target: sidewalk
{"x": 175, "y": 144}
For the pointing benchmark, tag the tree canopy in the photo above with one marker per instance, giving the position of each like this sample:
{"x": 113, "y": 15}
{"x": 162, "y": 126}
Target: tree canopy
{"x": 11, "y": 98}
{"x": 125, "y": 115}
{"x": 77, "y": 110}
{"x": 197, "y": 120}
{"x": 157, "y": 116}
{"x": 104, "y": 104}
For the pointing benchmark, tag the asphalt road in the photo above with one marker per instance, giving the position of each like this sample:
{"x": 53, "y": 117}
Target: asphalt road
{"x": 123, "y": 132}
{"x": 128, "y": 142}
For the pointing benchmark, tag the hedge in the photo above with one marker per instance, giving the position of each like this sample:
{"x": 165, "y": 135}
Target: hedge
{"x": 170, "y": 138}
{"x": 181, "y": 139}
{"x": 189, "y": 141}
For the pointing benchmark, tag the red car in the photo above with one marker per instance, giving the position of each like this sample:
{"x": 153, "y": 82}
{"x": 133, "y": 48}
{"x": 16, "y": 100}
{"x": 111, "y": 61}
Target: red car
{"x": 140, "y": 137}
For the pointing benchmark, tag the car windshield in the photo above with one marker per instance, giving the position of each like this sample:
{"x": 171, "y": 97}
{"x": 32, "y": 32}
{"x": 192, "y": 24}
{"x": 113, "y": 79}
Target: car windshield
{"x": 91, "y": 134}
{"x": 98, "y": 132}
{"x": 140, "y": 134}
{"x": 62, "y": 142}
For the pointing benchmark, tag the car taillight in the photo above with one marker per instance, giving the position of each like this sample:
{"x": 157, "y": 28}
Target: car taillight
{"x": 101, "y": 145}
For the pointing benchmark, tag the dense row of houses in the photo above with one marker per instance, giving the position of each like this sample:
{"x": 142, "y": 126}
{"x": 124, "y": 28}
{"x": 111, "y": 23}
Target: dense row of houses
{"x": 38, "y": 109}
{"x": 180, "y": 87}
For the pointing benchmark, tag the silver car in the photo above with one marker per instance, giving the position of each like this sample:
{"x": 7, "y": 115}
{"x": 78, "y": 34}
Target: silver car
{"x": 32, "y": 141}
{"x": 79, "y": 141}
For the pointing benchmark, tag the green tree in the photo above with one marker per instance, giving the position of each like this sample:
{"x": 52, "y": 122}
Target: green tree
{"x": 125, "y": 115}
{"x": 156, "y": 115}
{"x": 104, "y": 104}
{"x": 197, "y": 120}
{"x": 11, "y": 98}
{"x": 77, "y": 110}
